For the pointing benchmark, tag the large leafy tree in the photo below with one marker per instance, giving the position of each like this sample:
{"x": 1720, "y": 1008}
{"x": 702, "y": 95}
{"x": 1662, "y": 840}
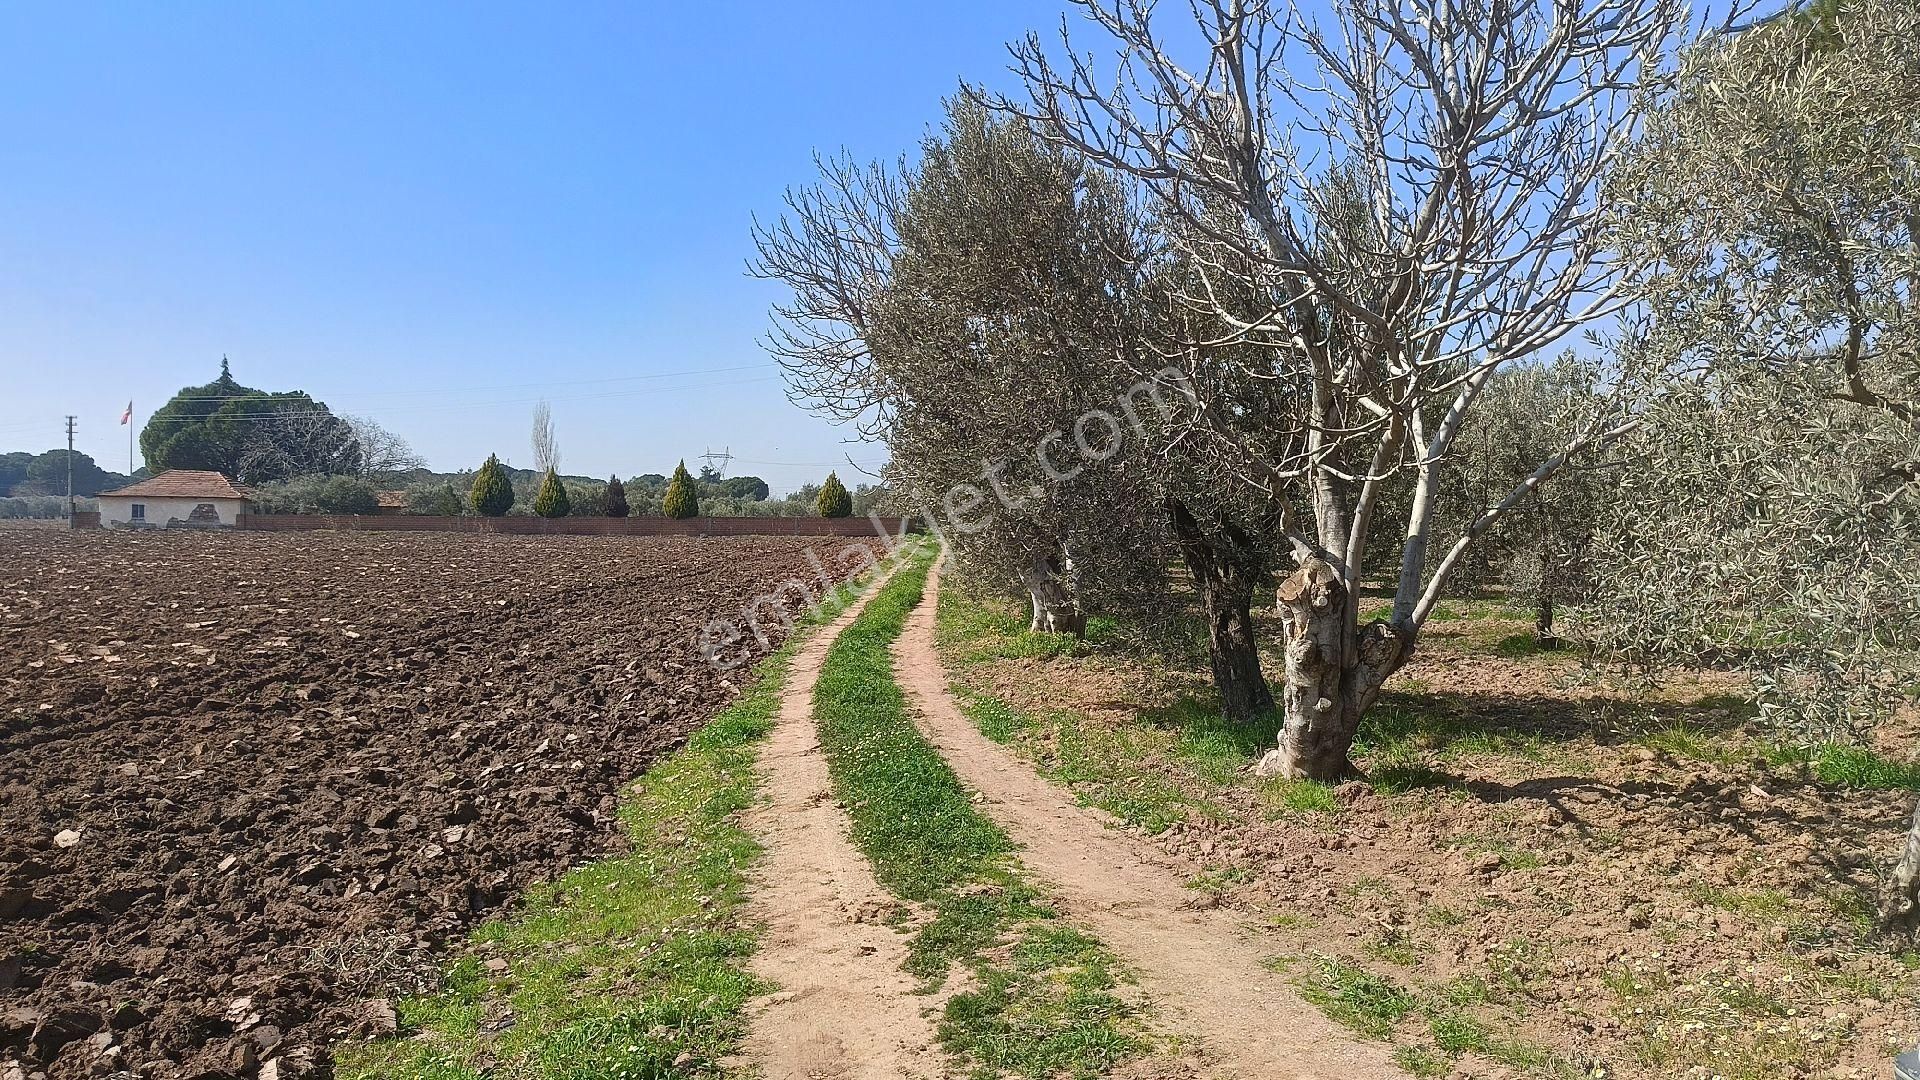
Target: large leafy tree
{"x": 46, "y": 474}
{"x": 1771, "y": 216}
{"x": 961, "y": 309}
{"x": 254, "y": 436}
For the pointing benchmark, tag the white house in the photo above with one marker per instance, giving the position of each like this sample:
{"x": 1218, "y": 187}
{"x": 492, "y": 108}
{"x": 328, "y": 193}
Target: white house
{"x": 183, "y": 496}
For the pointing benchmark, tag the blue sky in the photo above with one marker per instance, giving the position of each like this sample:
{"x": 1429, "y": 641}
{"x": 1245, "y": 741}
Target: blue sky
{"x": 435, "y": 214}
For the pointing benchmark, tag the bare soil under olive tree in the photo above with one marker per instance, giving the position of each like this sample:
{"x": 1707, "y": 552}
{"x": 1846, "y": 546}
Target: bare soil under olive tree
{"x": 249, "y": 783}
{"x": 1543, "y": 875}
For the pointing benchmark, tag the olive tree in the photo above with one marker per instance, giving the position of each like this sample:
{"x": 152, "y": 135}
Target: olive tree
{"x": 1543, "y": 551}
{"x": 1386, "y": 210}
{"x": 1771, "y": 218}
{"x": 962, "y": 308}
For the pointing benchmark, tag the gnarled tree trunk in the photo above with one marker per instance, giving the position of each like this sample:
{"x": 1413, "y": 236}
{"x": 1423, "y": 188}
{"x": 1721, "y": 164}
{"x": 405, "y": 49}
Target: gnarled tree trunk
{"x": 1227, "y": 568}
{"x": 1056, "y": 606}
{"x": 1334, "y": 672}
{"x": 1902, "y": 907}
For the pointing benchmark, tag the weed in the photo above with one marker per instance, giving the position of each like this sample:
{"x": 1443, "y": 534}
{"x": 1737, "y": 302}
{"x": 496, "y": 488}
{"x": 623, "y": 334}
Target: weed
{"x": 1357, "y": 998}
{"x": 1851, "y": 766}
{"x": 1512, "y": 856}
{"x": 1298, "y": 796}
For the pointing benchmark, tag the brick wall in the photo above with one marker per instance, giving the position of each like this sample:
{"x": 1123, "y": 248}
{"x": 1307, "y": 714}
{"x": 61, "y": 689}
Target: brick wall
{"x": 575, "y": 526}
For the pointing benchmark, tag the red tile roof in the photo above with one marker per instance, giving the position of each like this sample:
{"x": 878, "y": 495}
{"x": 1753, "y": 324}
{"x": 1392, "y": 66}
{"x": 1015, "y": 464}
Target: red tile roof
{"x": 391, "y": 500}
{"x": 184, "y": 484}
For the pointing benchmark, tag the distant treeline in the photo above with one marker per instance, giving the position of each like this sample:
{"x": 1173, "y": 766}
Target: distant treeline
{"x": 448, "y": 494}
{"x": 23, "y": 474}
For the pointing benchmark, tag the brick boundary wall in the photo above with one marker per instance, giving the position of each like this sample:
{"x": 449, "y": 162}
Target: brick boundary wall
{"x": 577, "y": 526}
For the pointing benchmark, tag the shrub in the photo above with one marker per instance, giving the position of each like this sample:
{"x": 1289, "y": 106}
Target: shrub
{"x": 442, "y": 500}
{"x": 616, "y": 498}
{"x": 551, "y": 502}
{"x": 833, "y": 500}
{"x": 345, "y": 495}
{"x": 680, "y": 501}
{"x": 587, "y": 500}
{"x": 492, "y": 493}
{"x": 39, "y": 507}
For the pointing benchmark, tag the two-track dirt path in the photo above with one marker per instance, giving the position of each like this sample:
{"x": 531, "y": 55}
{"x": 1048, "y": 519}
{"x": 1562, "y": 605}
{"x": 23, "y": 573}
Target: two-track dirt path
{"x": 845, "y": 1010}
{"x": 1201, "y": 968}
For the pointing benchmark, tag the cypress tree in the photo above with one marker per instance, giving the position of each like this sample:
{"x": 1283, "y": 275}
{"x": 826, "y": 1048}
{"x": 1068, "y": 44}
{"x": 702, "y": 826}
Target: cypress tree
{"x": 681, "y": 500}
{"x": 492, "y": 493}
{"x": 833, "y": 500}
{"x": 616, "y": 498}
{"x": 551, "y": 502}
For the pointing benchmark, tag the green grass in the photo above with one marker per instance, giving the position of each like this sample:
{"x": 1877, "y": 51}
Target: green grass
{"x": 1852, "y": 766}
{"x": 991, "y": 632}
{"x": 1104, "y": 766}
{"x": 1044, "y": 1001}
{"x": 628, "y": 968}
{"x": 1378, "y": 1007}
{"x": 1355, "y": 997}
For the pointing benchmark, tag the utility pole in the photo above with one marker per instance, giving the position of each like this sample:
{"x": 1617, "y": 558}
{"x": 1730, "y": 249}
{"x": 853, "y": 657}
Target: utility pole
{"x": 723, "y": 457}
{"x": 70, "y": 470}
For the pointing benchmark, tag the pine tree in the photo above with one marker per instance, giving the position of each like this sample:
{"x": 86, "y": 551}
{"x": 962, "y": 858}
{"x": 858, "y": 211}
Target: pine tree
{"x": 492, "y": 493}
{"x": 551, "y": 501}
{"x": 833, "y": 500}
{"x": 681, "y": 500}
{"x": 616, "y": 498}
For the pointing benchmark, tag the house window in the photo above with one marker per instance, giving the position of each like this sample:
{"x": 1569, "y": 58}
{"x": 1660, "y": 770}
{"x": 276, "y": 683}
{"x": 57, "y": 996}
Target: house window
{"x": 139, "y": 511}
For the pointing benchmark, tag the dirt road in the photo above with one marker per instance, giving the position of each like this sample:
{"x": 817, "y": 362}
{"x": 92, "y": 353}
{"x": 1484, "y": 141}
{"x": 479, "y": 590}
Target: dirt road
{"x": 1202, "y": 968}
{"x": 845, "y": 1010}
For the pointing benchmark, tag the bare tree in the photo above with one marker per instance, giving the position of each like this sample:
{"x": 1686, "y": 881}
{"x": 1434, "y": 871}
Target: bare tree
{"x": 1385, "y": 211}
{"x": 546, "y": 448}
{"x": 295, "y": 442}
{"x": 382, "y": 453}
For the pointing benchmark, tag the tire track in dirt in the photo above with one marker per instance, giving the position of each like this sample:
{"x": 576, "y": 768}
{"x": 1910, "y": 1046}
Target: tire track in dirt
{"x": 845, "y": 1010}
{"x": 1201, "y": 968}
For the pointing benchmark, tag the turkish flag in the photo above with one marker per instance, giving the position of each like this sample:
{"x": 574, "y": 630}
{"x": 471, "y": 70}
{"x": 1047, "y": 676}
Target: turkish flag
{"x": 126, "y": 416}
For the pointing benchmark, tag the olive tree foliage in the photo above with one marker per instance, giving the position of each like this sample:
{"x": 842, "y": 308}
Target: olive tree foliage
{"x": 964, "y": 308}
{"x": 1543, "y": 551}
{"x": 1386, "y": 209}
{"x": 1771, "y": 216}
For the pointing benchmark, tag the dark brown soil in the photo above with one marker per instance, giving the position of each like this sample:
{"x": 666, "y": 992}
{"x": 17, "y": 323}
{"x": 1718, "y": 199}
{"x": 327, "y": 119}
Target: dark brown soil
{"x": 248, "y": 782}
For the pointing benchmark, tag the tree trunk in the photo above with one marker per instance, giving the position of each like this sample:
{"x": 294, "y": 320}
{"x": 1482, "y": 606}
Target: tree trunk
{"x": 1227, "y": 569}
{"x": 1056, "y": 609}
{"x": 1329, "y": 685}
{"x": 1902, "y": 907}
{"x": 1543, "y": 635}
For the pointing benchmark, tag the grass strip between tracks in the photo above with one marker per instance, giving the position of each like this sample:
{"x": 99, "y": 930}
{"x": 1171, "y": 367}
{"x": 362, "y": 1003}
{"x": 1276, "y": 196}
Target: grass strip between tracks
{"x": 631, "y": 967}
{"x": 1047, "y": 999}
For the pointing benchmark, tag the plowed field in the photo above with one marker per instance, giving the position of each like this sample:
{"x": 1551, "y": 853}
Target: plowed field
{"x": 248, "y": 782}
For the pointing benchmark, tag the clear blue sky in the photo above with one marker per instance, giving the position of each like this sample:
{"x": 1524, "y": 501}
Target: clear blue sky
{"x": 435, "y": 214}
